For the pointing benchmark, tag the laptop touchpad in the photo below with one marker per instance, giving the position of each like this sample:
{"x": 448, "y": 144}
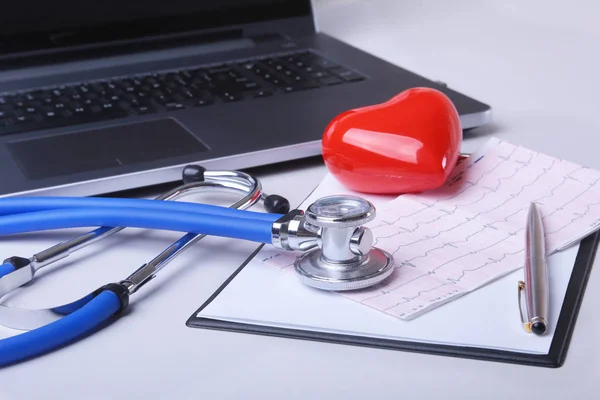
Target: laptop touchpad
{"x": 102, "y": 148}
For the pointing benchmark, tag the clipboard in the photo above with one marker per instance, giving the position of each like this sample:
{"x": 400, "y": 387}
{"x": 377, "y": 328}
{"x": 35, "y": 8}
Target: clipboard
{"x": 484, "y": 324}
{"x": 554, "y": 358}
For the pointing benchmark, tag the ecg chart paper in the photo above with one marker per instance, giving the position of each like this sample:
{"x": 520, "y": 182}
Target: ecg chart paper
{"x": 450, "y": 241}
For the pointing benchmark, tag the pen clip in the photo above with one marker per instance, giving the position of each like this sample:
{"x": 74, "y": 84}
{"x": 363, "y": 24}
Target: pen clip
{"x": 526, "y": 324}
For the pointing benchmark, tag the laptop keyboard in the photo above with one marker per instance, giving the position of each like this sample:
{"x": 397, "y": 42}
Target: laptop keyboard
{"x": 156, "y": 92}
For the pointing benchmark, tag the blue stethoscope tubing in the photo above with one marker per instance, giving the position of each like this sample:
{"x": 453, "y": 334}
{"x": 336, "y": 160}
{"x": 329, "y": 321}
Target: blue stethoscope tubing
{"x": 29, "y": 214}
{"x": 20, "y": 205}
{"x": 23, "y": 215}
{"x": 96, "y": 312}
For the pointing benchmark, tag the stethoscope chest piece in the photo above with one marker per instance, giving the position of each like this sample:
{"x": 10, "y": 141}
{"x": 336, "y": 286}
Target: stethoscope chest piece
{"x": 345, "y": 259}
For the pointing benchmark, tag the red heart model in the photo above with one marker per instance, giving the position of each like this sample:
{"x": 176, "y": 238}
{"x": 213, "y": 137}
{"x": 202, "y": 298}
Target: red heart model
{"x": 408, "y": 144}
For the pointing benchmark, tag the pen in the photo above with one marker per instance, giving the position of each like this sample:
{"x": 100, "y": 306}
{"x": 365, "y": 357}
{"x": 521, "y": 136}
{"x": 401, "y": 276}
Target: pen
{"x": 536, "y": 284}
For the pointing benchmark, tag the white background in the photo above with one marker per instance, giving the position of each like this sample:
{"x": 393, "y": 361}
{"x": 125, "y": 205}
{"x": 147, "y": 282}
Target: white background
{"x": 535, "y": 62}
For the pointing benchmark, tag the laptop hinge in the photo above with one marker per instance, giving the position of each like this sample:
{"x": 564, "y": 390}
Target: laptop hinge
{"x": 78, "y": 47}
{"x": 268, "y": 37}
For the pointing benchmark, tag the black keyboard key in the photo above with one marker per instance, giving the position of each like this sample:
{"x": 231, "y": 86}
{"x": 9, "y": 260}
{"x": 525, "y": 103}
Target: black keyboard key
{"x": 262, "y": 93}
{"x": 319, "y": 74}
{"x": 235, "y": 75}
{"x": 90, "y": 96}
{"x": 23, "y": 118}
{"x": 323, "y": 63}
{"x": 79, "y": 110}
{"x": 347, "y": 75}
{"x": 171, "y": 76}
{"x": 290, "y": 59}
{"x": 180, "y": 81}
{"x": 68, "y": 91}
{"x": 200, "y": 85}
{"x": 218, "y": 68}
{"x": 352, "y": 77}
{"x": 278, "y": 81}
{"x": 223, "y": 81}
{"x": 219, "y": 76}
{"x": 170, "y": 86}
{"x": 304, "y": 85}
{"x": 150, "y": 81}
{"x": 97, "y": 87}
{"x": 288, "y": 73}
{"x": 90, "y": 102}
{"x": 147, "y": 109}
{"x": 134, "y": 102}
{"x": 230, "y": 97}
{"x": 262, "y": 67}
{"x": 125, "y": 82}
{"x": 164, "y": 99}
{"x": 331, "y": 80}
{"x": 201, "y": 102}
{"x": 174, "y": 106}
{"x": 188, "y": 94}
{"x": 131, "y": 98}
{"x": 250, "y": 86}
{"x": 185, "y": 75}
{"x": 49, "y": 114}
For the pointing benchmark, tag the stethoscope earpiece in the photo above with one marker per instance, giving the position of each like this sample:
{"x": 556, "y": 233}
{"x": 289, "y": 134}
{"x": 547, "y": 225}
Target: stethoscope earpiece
{"x": 193, "y": 173}
{"x": 276, "y": 204}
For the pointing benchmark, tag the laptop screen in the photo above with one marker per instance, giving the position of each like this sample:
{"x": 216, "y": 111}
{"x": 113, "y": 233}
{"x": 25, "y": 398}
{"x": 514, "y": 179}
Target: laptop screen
{"x": 39, "y": 24}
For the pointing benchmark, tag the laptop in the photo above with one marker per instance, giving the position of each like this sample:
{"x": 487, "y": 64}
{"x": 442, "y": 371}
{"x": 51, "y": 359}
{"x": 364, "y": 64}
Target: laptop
{"x": 104, "y": 96}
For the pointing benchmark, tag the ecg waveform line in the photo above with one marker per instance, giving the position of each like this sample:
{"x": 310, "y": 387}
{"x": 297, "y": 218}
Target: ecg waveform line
{"x": 457, "y": 238}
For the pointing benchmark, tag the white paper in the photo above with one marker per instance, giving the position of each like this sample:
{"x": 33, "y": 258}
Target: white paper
{"x": 455, "y": 239}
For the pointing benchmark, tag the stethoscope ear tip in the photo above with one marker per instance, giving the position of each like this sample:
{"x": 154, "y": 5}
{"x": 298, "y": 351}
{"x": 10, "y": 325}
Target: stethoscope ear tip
{"x": 276, "y": 204}
{"x": 193, "y": 173}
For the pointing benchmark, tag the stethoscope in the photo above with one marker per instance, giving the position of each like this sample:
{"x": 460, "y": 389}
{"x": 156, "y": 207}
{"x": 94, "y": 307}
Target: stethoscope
{"x": 337, "y": 250}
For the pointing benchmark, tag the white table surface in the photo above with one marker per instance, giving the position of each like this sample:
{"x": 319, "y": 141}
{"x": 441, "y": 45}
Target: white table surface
{"x": 535, "y": 62}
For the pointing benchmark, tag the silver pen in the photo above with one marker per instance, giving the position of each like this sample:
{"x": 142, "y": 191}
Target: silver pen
{"x": 536, "y": 285}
